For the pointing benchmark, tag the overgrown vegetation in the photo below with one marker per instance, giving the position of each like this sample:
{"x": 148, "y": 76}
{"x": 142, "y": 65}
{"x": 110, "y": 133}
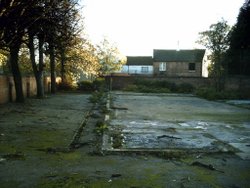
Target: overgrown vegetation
{"x": 212, "y": 94}
{"x": 159, "y": 86}
{"x": 98, "y": 84}
{"x": 66, "y": 86}
{"x": 100, "y": 127}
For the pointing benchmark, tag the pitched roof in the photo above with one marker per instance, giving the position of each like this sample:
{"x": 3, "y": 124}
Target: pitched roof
{"x": 179, "y": 56}
{"x": 139, "y": 60}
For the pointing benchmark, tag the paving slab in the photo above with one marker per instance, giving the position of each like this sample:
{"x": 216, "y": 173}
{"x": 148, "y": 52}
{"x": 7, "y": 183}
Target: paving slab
{"x": 163, "y": 122}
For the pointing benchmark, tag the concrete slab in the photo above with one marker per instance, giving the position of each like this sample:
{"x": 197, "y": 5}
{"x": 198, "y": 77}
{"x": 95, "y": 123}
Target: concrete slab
{"x": 149, "y": 122}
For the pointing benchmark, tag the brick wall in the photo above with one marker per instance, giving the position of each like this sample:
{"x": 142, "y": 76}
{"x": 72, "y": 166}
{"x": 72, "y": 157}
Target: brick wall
{"x": 232, "y": 83}
{"x": 7, "y": 87}
{"x": 178, "y": 69}
{"x": 4, "y": 89}
{"x": 120, "y": 82}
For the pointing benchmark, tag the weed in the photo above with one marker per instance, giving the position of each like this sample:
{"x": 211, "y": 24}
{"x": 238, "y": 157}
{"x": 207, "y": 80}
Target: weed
{"x": 96, "y": 97}
{"x": 117, "y": 140}
{"x": 100, "y": 127}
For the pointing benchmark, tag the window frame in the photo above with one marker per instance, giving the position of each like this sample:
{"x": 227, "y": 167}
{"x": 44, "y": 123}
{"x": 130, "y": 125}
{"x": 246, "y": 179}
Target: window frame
{"x": 144, "y": 69}
{"x": 162, "y": 66}
{"x": 191, "y": 67}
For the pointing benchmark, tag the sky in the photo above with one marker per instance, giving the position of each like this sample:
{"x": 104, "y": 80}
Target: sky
{"x": 139, "y": 26}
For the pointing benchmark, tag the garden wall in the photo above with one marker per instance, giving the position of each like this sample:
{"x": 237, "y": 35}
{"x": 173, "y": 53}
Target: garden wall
{"x": 7, "y": 87}
{"x": 120, "y": 82}
{"x": 231, "y": 83}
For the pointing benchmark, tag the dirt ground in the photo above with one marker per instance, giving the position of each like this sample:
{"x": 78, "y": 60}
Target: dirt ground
{"x": 41, "y": 144}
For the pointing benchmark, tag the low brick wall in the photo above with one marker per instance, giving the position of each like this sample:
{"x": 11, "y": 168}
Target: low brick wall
{"x": 7, "y": 87}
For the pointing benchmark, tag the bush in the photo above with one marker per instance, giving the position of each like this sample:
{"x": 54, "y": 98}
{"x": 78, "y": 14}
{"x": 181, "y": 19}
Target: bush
{"x": 212, "y": 94}
{"x": 85, "y": 86}
{"x": 185, "y": 88}
{"x": 66, "y": 86}
{"x": 99, "y": 84}
{"x": 131, "y": 87}
{"x": 100, "y": 127}
{"x": 159, "y": 86}
{"x": 97, "y": 97}
{"x": 89, "y": 86}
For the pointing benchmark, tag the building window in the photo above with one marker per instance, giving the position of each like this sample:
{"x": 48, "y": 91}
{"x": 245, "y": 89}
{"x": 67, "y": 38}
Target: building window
{"x": 191, "y": 66}
{"x": 162, "y": 66}
{"x": 144, "y": 69}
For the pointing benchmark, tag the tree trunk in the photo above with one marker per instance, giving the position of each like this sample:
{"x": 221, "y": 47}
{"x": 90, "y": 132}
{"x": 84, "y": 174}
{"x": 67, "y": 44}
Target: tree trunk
{"x": 63, "y": 65}
{"x": 40, "y": 85}
{"x": 52, "y": 69}
{"x": 16, "y": 72}
{"x": 36, "y": 70}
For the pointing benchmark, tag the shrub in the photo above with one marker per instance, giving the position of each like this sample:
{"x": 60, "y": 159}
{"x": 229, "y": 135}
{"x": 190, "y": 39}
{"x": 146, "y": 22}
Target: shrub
{"x": 99, "y": 84}
{"x": 96, "y": 97}
{"x": 86, "y": 85}
{"x": 185, "y": 88}
{"x": 66, "y": 86}
{"x": 212, "y": 94}
{"x": 131, "y": 87}
{"x": 89, "y": 86}
{"x": 100, "y": 127}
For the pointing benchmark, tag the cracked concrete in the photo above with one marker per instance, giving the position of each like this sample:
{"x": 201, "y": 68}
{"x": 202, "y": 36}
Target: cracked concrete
{"x": 183, "y": 122}
{"x": 34, "y": 135}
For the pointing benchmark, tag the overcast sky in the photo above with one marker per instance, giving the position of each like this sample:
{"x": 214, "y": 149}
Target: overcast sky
{"x": 139, "y": 26}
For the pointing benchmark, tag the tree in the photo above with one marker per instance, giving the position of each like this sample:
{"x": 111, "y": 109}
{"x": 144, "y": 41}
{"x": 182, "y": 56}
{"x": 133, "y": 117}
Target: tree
{"x": 109, "y": 57}
{"x": 82, "y": 60}
{"x": 13, "y": 24}
{"x": 3, "y": 61}
{"x": 216, "y": 41}
{"x": 51, "y": 28}
{"x": 62, "y": 27}
{"x": 238, "y": 55}
{"x": 36, "y": 39}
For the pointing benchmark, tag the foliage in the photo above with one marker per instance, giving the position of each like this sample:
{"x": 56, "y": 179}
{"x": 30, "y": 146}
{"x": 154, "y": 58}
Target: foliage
{"x": 185, "y": 88}
{"x": 216, "y": 40}
{"x": 238, "y": 55}
{"x": 159, "y": 86}
{"x": 52, "y": 23}
{"x": 81, "y": 59}
{"x": 213, "y": 94}
{"x": 66, "y": 86}
{"x": 96, "y": 85}
{"x": 109, "y": 57}
{"x": 3, "y": 62}
{"x": 100, "y": 127}
{"x": 24, "y": 60}
{"x": 85, "y": 85}
{"x": 97, "y": 97}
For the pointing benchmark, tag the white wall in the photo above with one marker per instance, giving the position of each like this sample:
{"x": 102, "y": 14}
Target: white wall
{"x": 137, "y": 69}
{"x": 205, "y": 63}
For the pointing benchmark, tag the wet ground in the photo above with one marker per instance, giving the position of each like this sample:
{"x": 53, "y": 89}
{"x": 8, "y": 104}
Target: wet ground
{"x": 151, "y": 141}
